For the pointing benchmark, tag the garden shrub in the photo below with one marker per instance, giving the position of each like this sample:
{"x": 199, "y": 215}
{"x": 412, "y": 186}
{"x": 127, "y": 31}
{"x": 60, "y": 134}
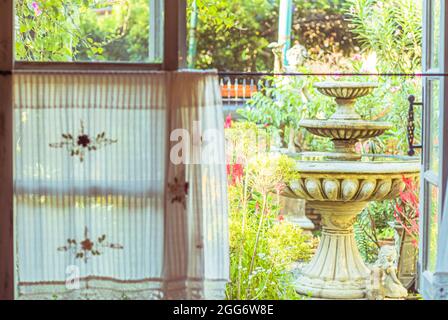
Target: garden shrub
{"x": 263, "y": 246}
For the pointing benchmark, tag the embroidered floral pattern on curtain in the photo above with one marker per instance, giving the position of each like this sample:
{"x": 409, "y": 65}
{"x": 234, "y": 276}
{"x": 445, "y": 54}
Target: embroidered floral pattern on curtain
{"x": 96, "y": 198}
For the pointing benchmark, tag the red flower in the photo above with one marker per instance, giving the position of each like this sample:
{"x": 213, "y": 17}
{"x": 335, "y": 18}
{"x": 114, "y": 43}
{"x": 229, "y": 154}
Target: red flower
{"x": 281, "y": 217}
{"x": 406, "y": 207}
{"x": 235, "y": 171}
{"x": 87, "y": 245}
{"x": 83, "y": 140}
{"x": 238, "y": 170}
{"x": 228, "y": 122}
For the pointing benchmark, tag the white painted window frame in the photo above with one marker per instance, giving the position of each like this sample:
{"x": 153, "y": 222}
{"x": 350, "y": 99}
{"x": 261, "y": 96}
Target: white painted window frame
{"x": 434, "y": 285}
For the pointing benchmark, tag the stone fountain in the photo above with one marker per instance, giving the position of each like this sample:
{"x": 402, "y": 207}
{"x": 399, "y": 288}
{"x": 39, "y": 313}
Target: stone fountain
{"x": 339, "y": 186}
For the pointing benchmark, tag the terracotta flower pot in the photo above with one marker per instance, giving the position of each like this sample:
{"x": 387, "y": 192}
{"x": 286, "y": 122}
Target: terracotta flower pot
{"x": 237, "y": 90}
{"x": 386, "y": 242}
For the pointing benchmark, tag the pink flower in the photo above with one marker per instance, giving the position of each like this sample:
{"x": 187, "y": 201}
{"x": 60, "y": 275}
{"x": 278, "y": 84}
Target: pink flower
{"x": 36, "y": 8}
{"x": 357, "y": 57}
{"x": 279, "y": 187}
{"x": 394, "y": 89}
{"x": 280, "y": 218}
{"x": 228, "y": 122}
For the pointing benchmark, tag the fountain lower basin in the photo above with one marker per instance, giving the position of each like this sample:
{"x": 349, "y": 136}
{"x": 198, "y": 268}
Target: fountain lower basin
{"x": 339, "y": 191}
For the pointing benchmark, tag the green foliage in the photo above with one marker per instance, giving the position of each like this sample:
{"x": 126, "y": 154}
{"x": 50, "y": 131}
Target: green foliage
{"x": 322, "y": 28}
{"x": 280, "y": 244}
{"x": 48, "y": 31}
{"x": 82, "y": 30}
{"x": 245, "y": 139}
{"x": 389, "y": 102}
{"x": 372, "y": 226}
{"x": 234, "y": 34}
{"x": 393, "y": 29}
{"x": 123, "y": 35}
{"x": 284, "y": 102}
{"x": 268, "y": 173}
{"x": 262, "y": 246}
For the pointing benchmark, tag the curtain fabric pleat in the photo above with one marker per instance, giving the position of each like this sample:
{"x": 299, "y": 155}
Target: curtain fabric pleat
{"x": 101, "y": 210}
{"x": 197, "y": 247}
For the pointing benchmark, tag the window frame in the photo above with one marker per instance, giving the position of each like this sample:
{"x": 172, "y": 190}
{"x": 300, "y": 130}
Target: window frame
{"x": 431, "y": 281}
{"x": 174, "y": 43}
{"x": 174, "y": 58}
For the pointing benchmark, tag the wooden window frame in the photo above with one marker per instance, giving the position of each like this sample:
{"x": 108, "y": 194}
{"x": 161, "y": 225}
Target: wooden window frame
{"x": 174, "y": 57}
{"x": 174, "y": 44}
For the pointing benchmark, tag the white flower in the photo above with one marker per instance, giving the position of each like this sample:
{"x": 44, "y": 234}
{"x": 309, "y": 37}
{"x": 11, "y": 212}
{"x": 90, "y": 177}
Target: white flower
{"x": 369, "y": 64}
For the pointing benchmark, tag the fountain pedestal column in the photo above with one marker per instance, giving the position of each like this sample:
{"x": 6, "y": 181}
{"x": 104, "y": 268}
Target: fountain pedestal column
{"x": 337, "y": 270}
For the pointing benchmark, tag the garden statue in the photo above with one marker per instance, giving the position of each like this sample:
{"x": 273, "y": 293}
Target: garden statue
{"x": 339, "y": 185}
{"x": 296, "y": 57}
{"x": 277, "y": 50}
{"x": 374, "y": 287}
{"x": 293, "y": 209}
{"x": 387, "y": 263}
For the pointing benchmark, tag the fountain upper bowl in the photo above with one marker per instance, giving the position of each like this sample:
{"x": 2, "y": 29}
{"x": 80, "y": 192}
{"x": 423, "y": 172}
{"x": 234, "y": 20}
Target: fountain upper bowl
{"x": 345, "y": 90}
{"x": 345, "y": 129}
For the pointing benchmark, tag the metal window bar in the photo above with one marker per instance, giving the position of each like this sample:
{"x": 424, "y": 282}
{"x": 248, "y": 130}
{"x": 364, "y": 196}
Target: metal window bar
{"x": 411, "y": 125}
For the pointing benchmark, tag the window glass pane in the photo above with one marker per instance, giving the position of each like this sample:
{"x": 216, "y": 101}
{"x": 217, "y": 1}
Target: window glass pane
{"x": 433, "y": 94}
{"x": 89, "y": 30}
{"x": 434, "y": 33}
{"x": 322, "y": 36}
{"x": 433, "y": 213}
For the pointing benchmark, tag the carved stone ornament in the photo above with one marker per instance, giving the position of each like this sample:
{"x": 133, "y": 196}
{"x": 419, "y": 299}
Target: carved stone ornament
{"x": 391, "y": 287}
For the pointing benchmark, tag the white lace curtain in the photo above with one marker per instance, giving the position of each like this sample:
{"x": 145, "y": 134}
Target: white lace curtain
{"x": 100, "y": 209}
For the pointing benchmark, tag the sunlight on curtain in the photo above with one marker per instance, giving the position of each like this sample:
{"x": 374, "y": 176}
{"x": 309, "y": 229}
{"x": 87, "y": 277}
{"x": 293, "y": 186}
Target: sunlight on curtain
{"x": 94, "y": 210}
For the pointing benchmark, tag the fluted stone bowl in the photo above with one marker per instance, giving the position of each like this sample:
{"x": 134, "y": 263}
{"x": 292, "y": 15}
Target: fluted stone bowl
{"x": 345, "y": 129}
{"x": 339, "y": 191}
{"x": 351, "y": 181}
{"x": 345, "y": 89}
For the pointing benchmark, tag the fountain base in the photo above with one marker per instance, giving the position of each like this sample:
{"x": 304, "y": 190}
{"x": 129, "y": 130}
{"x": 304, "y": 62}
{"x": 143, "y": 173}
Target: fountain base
{"x": 337, "y": 270}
